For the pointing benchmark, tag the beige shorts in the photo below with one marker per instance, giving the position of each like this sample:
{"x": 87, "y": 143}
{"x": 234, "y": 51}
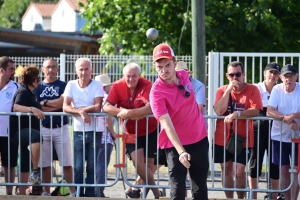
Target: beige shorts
{"x": 61, "y": 141}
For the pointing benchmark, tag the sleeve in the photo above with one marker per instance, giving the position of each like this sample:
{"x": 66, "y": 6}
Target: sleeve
{"x": 99, "y": 90}
{"x": 219, "y": 94}
{"x": 157, "y": 103}
{"x": 255, "y": 99}
{"x": 67, "y": 92}
{"x": 200, "y": 94}
{"x": 113, "y": 95}
{"x": 22, "y": 98}
{"x": 62, "y": 88}
{"x": 274, "y": 100}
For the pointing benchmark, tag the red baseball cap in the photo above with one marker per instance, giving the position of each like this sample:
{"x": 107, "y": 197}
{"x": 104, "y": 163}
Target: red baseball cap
{"x": 163, "y": 51}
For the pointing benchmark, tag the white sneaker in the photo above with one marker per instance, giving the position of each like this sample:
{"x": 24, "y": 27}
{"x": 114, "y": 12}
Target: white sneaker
{"x": 45, "y": 194}
{"x": 73, "y": 194}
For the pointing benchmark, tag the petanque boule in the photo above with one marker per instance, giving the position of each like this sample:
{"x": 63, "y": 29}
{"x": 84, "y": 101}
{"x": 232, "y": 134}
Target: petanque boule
{"x": 152, "y": 34}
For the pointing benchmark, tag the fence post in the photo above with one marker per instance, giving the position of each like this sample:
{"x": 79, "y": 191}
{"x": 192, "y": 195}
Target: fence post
{"x": 213, "y": 84}
{"x": 62, "y": 68}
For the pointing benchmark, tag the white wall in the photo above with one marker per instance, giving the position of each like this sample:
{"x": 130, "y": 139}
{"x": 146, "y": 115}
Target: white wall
{"x": 31, "y": 18}
{"x": 47, "y": 24}
{"x": 64, "y": 18}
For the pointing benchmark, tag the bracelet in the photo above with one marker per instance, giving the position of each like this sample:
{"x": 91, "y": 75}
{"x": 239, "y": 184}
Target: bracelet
{"x": 182, "y": 153}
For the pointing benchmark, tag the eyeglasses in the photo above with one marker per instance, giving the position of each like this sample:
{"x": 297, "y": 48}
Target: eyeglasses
{"x": 238, "y": 74}
{"x": 186, "y": 93}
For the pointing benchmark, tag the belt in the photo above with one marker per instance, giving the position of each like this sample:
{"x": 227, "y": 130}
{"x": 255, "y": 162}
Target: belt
{"x": 53, "y": 125}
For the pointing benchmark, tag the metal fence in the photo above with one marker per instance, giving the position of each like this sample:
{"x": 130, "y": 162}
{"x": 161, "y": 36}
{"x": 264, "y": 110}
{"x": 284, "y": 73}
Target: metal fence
{"x": 121, "y": 163}
{"x": 111, "y": 65}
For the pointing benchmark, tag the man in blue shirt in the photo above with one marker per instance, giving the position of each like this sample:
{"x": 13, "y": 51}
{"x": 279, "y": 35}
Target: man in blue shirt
{"x": 55, "y": 129}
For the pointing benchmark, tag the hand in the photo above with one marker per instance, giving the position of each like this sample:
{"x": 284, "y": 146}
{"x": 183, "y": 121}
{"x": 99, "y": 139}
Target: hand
{"x": 38, "y": 113}
{"x": 185, "y": 158}
{"x": 229, "y": 118}
{"x": 294, "y": 125}
{"x": 288, "y": 119}
{"x": 85, "y": 117}
{"x": 124, "y": 113}
{"x": 114, "y": 136}
{"x": 233, "y": 85}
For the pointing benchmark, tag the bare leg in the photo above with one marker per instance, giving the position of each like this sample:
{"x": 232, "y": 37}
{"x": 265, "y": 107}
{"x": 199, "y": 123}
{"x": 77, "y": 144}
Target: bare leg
{"x": 227, "y": 177}
{"x": 240, "y": 179}
{"x": 35, "y": 155}
{"x": 47, "y": 177}
{"x": 68, "y": 173}
{"x": 274, "y": 186}
{"x": 139, "y": 161}
{"x": 9, "y": 179}
{"x": 295, "y": 187}
{"x": 24, "y": 179}
{"x": 253, "y": 185}
{"x": 285, "y": 180}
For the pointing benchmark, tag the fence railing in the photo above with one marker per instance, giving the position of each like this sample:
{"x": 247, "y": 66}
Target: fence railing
{"x": 121, "y": 165}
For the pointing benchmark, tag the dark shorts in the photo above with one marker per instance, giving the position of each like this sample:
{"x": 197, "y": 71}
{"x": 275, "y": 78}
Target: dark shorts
{"x": 35, "y": 137}
{"x": 286, "y": 153}
{"x": 141, "y": 144}
{"x": 161, "y": 158}
{"x": 262, "y": 144}
{"x": 218, "y": 155}
{"x": 12, "y": 154}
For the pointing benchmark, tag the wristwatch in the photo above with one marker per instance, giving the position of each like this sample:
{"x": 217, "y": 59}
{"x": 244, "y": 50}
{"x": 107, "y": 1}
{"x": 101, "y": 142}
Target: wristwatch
{"x": 239, "y": 113}
{"x": 45, "y": 102}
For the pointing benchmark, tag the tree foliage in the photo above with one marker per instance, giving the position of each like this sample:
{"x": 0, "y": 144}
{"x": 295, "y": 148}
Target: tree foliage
{"x": 12, "y": 11}
{"x": 125, "y": 22}
{"x": 231, "y": 25}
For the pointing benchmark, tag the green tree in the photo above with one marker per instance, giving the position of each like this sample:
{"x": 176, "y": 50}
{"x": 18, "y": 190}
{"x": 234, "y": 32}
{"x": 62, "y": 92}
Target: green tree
{"x": 12, "y": 11}
{"x": 124, "y": 24}
{"x": 231, "y": 25}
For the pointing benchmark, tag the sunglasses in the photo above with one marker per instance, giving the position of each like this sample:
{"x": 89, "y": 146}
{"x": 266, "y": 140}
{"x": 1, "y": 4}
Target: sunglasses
{"x": 186, "y": 93}
{"x": 238, "y": 74}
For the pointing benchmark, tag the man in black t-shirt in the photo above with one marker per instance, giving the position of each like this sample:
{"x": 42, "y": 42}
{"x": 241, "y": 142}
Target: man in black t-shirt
{"x": 49, "y": 94}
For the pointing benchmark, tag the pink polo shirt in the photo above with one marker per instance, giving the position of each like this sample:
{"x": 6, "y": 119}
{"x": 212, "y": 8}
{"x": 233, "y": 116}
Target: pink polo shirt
{"x": 186, "y": 117}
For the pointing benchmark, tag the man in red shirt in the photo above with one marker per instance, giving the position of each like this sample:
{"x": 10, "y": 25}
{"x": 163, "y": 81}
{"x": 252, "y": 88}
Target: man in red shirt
{"x": 235, "y": 100}
{"x": 130, "y": 94}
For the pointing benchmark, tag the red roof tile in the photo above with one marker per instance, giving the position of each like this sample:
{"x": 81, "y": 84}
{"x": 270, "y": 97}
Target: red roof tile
{"x": 44, "y": 9}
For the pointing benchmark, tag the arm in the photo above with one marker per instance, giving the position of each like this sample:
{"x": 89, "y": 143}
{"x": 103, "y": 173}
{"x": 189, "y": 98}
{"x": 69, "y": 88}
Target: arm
{"x": 96, "y": 107}
{"x": 167, "y": 124}
{"x": 221, "y": 106}
{"x": 110, "y": 109}
{"x": 53, "y": 105}
{"x": 135, "y": 113}
{"x": 110, "y": 126}
{"x": 272, "y": 112}
{"x": 79, "y": 111}
{"x": 37, "y": 112}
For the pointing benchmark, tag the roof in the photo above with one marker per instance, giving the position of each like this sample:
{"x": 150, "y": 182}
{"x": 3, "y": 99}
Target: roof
{"x": 74, "y": 4}
{"x": 44, "y": 9}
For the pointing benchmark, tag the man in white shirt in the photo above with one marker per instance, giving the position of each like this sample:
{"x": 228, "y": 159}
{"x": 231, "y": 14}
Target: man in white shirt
{"x": 83, "y": 96}
{"x": 284, "y": 105}
{"x": 8, "y": 89}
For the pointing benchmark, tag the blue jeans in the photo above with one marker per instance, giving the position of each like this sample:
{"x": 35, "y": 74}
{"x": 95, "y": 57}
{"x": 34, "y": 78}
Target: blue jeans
{"x": 104, "y": 152}
{"x": 87, "y": 147}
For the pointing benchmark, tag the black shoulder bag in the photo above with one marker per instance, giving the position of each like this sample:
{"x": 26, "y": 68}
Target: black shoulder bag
{"x": 235, "y": 142}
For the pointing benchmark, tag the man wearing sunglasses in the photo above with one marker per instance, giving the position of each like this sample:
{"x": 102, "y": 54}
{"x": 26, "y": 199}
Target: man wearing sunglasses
{"x": 184, "y": 134}
{"x": 235, "y": 100}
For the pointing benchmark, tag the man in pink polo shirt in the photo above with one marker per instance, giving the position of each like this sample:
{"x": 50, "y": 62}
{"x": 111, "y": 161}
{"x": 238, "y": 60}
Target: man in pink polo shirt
{"x": 184, "y": 135}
